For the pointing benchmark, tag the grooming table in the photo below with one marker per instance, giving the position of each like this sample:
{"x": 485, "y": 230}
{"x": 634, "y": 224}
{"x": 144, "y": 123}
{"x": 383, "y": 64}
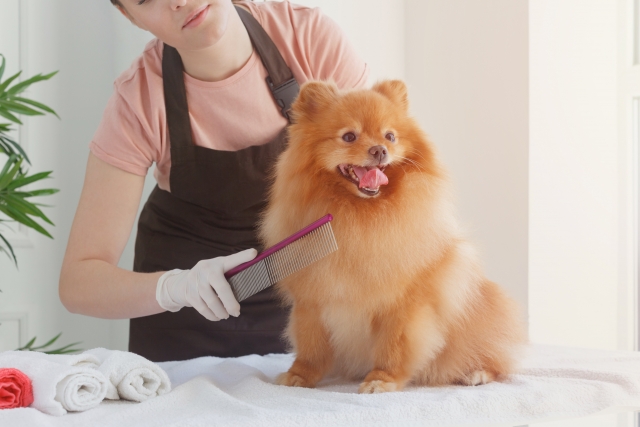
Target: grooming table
{"x": 553, "y": 383}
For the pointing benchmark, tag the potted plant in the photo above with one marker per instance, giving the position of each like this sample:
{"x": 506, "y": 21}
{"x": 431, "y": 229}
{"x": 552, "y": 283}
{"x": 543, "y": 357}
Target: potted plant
{"x": 15, "y": 205}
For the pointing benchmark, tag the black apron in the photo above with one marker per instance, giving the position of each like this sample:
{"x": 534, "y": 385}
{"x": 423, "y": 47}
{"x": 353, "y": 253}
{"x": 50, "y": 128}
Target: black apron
{"x": 213, "y": 209}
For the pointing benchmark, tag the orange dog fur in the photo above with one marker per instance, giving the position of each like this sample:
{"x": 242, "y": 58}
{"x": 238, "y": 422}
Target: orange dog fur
{"x": 404, "y": 299}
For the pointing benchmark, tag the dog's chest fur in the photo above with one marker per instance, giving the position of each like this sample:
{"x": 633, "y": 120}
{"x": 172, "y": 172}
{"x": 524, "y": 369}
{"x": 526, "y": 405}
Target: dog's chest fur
{"x": 351, "y": 340}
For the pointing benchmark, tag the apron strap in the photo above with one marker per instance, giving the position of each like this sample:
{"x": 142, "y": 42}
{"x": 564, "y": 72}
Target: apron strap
{"x": 283, "y": 85}
{"x": 269, "y": 53}
{"x": 175, "y": 102}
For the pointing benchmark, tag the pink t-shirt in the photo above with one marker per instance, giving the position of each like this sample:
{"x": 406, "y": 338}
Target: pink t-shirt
{"x": 230, "y": 114}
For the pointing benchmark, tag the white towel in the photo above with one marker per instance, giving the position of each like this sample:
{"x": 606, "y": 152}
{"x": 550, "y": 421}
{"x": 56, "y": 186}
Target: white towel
{"x": 61, "y": 383}
{"x": 81, "y": 359}
{"x": 554, "y": 383}
{"x": 131, "y": 377}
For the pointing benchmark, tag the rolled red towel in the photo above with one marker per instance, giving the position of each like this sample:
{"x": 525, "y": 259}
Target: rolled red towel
{"x": 15, "y": 389}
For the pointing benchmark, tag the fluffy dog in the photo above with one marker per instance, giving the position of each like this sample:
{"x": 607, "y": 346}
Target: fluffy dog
{"x": 404, "y": 299}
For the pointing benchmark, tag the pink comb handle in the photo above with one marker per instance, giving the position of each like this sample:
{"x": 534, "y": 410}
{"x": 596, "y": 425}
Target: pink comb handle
{"x": 309, "y": 228}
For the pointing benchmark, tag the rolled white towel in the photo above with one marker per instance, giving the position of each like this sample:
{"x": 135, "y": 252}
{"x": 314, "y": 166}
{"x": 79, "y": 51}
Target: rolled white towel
{"x": 82, "y": 359}
{"x": 60, "y": 383}
{"x": 131, "y": 377}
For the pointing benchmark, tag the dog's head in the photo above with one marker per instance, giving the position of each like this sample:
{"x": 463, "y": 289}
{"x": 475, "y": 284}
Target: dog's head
{"x": 362, "y": 140}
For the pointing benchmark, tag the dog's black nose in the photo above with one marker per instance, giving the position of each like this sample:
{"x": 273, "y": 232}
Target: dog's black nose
{"x": 379, "y": 152}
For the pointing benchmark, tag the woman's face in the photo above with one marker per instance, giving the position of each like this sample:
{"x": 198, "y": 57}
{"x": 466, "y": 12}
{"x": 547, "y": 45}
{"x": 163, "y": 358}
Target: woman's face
{"x": 183, "y": 24}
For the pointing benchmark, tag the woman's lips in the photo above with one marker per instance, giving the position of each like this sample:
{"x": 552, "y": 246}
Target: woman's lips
{"x": 197, "y": 18}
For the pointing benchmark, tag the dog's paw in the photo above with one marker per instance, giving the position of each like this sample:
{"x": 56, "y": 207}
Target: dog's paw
{"x": 478, "y": 378}
{"x": 293, "y": 380}
{"x": 376, "y": 386}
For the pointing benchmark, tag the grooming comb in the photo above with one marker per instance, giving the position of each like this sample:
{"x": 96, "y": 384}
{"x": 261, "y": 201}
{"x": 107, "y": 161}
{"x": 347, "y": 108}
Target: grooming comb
{"x": 297, "y": 251}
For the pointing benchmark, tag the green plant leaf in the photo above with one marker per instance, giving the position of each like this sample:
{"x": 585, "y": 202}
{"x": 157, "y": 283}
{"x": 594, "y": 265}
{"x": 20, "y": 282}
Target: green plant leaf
{"x": 24, "y": 206}
{"x": 65, "y": 349}
{"x": 11, "y": 254}
{"x": 36, "y": 193}
{"x": 18, "y": 108}
{"x": 28, "y": 180}
{"x": 6, "y": 83}
{"x": 7, "y": 177}
{"x": 62, "y": 350}
{"x": 23, "y": 85}
{"x": 15, "y": 214}
{"x": 9, "y": 116}
{"x": 48, "y": 343}
{"x": 13, "y": 203}
{"x": 2, "y": 67}
{"x": 37, "y": 104}
{"x": 43, "y": 205}
{"x": 11, "y": 160}
{"x": 27, "y": 207}
{"x": 28, "y": 345}
{"x": 8, "y": 145}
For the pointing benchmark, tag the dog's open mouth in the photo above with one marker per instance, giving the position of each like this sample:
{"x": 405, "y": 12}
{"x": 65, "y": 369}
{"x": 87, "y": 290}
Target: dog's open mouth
{"x": 367, "y": 178}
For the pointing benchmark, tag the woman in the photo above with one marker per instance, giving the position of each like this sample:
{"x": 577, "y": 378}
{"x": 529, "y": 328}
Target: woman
{"x": 207, "y": 102}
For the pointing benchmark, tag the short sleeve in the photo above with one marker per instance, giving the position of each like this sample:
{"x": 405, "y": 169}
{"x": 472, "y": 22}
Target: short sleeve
{"x": 121, "y": 139}
{"x": 330, "y": 54}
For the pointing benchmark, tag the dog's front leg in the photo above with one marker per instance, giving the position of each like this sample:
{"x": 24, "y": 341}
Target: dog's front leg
{"x": 314, "y": 354}
{"x": 403, "y": 342}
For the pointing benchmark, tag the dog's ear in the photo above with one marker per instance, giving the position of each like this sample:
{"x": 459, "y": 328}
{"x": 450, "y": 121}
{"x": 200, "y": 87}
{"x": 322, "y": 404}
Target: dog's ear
{"x": 395, "y": 90}
{"x": 314, "y": 96}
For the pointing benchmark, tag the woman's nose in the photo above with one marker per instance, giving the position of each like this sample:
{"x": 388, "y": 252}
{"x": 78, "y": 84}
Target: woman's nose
{"x": 177, "y": 4}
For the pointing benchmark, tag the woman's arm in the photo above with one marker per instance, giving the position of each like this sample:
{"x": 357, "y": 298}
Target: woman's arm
{"x": 90, "y": 281}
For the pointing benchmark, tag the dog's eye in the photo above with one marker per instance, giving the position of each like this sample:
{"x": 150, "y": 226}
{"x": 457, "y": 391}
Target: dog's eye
{"x": 349, "y": 137}
{"x": 390, "y": 137}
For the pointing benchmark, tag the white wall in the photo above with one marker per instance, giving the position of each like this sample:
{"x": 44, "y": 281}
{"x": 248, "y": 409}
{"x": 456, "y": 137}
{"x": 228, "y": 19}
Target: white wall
{"x": 576, "y": 214}
{"x": 376, "y": 29}
{"x": 467, "y": 71}
{"x": 530, "y": 106}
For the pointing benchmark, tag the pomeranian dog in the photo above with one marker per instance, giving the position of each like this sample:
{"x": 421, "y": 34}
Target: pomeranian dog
{"x": 404, "y": 299}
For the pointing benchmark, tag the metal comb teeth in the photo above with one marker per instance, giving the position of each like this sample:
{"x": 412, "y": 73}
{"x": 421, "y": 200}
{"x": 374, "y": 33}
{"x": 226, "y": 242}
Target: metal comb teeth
{"x": 309, "y": 245}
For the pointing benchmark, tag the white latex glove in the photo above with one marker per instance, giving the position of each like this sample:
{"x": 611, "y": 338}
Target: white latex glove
{"x": 204, "y": 287}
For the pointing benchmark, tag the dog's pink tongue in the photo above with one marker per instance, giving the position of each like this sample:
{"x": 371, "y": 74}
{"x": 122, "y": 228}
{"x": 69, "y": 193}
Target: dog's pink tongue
{"x": 373, "y": 178}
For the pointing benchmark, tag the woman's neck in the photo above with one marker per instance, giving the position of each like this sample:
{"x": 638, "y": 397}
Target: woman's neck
{"x": 223, "y": 59}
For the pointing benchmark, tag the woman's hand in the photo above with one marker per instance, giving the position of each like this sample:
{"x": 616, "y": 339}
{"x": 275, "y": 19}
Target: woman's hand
{"x": 204, "y": 287}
